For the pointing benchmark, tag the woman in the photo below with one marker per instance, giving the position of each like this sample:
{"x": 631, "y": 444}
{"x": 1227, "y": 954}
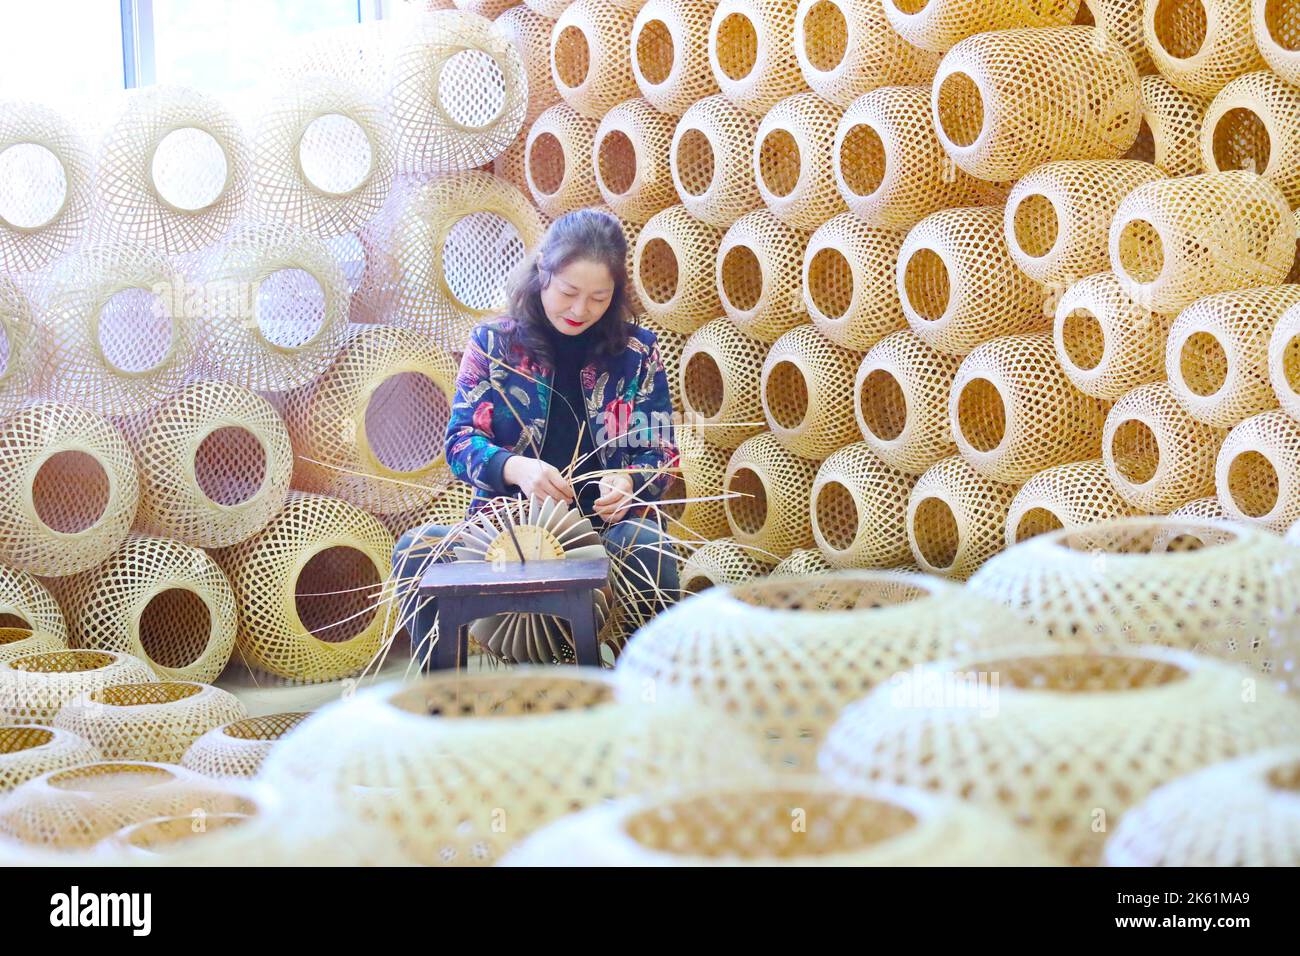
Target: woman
{"x": 565, "y": 398}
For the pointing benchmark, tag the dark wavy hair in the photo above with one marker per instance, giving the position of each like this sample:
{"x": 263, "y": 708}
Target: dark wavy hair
{"x": 586, "y": 235}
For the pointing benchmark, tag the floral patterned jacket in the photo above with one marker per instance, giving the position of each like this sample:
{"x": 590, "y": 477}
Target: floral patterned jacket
{"x": 503, "y": 400}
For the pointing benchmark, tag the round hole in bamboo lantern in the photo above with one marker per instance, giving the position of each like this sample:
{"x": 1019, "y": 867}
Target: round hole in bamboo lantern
{"x": 34, "y": 688}
{"x": 702, "y": 467}
{"x": 1216, "y": 356}
{"x": 956, "y": 518}
{"x": 27, "y": 604}
{"x": 309, "y": 590}
{"x": 1073, "y": 495}
{"x": 1276, "y": 27}
{"x": 1175, "y": 240}
{"x": 558, "y": 161}
{"x": 1073, "y": 731}
{"x": 16, "y": 642}
{"x": 69, "y": 491}
{"x": 724, "y": 561}
{"x": 859, "y": 510}
{"x": 630, "y": 160}
{"x": 1254, "y": 123}
{"x": 1284, "y": 362}
{"x": 939, "y": 24}
{"x": 758, "y": 275}
{"x": 239, "y": 748}
{"x": 900, "y": 401}
{"x": 1199, "y": 45}
{"x": 27, "y": 752}
{"x": 1106, "y": 343}
{"x": 530, "y": 32}
{"x": 959, "y": 285}
{"x": 721, "y": 369}
{"x": 982, "y": 111}
{"x": 1013, "y": 411}
{"x": 1121, "y": 21}
{"x": 1257, "y": 474}
{"x": 673, "y": 269}
{"x": 45, "y": 183}
{"x": 801, "y": 563}
{"x": 848, "y": 282}
{"x": 751, "y": 52}
{"x": 791, "y": 162}
{"x": 19, "y": 347}
{"x": 769, "y": 489}
{"x": 590, "y": 62}
{"x": 670, "y": 53}
{"x": 804, "y": 383}
{"x": 711, "y": 161}
{"x": 1170, "y": 134}
{"x": 1157, "y": 456}
{"x": 1058, "y": 217}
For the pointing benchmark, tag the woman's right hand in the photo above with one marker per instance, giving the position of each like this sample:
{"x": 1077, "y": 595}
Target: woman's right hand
{"x": 536, "y": 477}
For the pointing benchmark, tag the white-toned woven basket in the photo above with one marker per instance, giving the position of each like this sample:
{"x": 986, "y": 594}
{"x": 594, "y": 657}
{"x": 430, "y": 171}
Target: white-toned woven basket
{"x": 721, "y": 370}
{"x": 530, "y": 32}
{"x": 956, "y": 518}
{"x": 16, "y": 642}
{"x": 724, "y": 561}
{"x": 34, "y": 688}
{"x": 758, "y": 277}
{"x": 1202, "y": 508}
{"x": 848, "y": 282}
{"x": 1069, "y": 496}
{"x": 26, "y": 603}
{"x": 1169, "y": 136}
{"x": 1254, "y": 123}
{"x": 792, "y": 160}
{"x": 548, "y": 8}
{"x": 1274, "y": 27}
{"x": 590, "y": 56}
{"x": 859, "y": 510}
{"x": 1284, "y": 362}
{"x": 239, "y": 748}
{"x": 711, "y": 160}
{"x": 1200, "y": 46}
{"x": 804, "y": 384}
{"x": 27, "y": 752}
{"x": 673, "y": 270}
{"x": 20, "y": 346}
{"x": 939, "y": 24}
{"x": 1257, "y": 473}
{"x": 669, "y": 47}
{"x": 630, "y": 160}
{"x": 751, "y": 52}
{"x": 558, "y": 160}
{"x": 770, "y": 496}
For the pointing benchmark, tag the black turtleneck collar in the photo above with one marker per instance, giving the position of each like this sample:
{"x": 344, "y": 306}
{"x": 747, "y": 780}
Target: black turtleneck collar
{"x": 570, "y": 345}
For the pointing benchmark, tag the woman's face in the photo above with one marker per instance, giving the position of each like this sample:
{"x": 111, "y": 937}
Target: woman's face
{"x": 578, "y": 296}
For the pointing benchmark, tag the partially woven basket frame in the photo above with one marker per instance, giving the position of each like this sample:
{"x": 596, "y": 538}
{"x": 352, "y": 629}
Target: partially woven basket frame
{"x": 1068, "y": 496}
{"x": 27, "y": 603}
{"x": 1257, "y": 473}
{"x": 771, "y": 488}
{"x": 670, "y": 53}
{"x": 672, "y": 270}
{"x": 751, "y": 52}
{"x": 19, "y": 347}
{"x": 723, "y": 561}
{"x": 630, "y": 160}
{"x": 1274, "y": 27}
{"x": 1169, "y": 136}
{"x": 1284, "y": 362}
{"x": 590, "y": 62}
{"x": 721, "y": 371}
{"x": 239, "y": 748}
{"x": 804, "y": 383}
{"x": 27, "y": 752}
{"x": 530, "y": 32}
{"x": 758, "y": 276}
{"x": 1254, "y": 123}
{"x": 1200, "y": 46}
{"x": 33, "y": 689}
{"x": 792, "y": 160}
{"x": 956, "y": 518}
{"x": 558, "y": 161}
{"x": 859, "y": 510}
{"x": 848, "y": 282}
{"x": 940, "y": 24}
{"x": 711, "y": 160}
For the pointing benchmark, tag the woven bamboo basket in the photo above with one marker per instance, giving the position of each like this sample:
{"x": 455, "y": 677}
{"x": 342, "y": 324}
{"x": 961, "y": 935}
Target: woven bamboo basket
{"x": 711, "y": 161}
{"x": 859, "y": 510}
{"x": 724, "y": 561}
{"x": 672, "y": 270}
{"x": 1274, "y": 27}
{"x": 1157, "y": 456}
{"x": 1169, "y": 136}
{"x": 20, "y": 346}
{"x": 511, "y": 166}
{"x": 1254, "y": 123}
{"x": 27, "y": 752}
{"x": 16, "y": 642}
{"x": 308, "y": 588}
{"x": 558, "y": 161}
{"x": 1072, "y": 741}
{"x": 1013, "y": 411}
{"x": 1200, "y": 46}
{"x": 721, "y": 370}
{"x": 547, "y": 8}
{"x": 34, "y": 688}
{"x": 590, "y": 62}
{"x": 940, "y": 24}
{"x": 792, "y": 160}
{"x": 457, "y": 243}
{"x": 848, "y": 282}
{"x": 758, "y": 825}
{"x": 1121, "y": 21}
{"x": 1058, "y": 217}
{"x": 1294, "y": 274}
{"x": 1284, "y": 362}
{"x": 702, "y": 466}
{"x": 900, "y": 401}
{"x": 1175, "y": 240}
{"x": 116, "y": 335}
{"x": 44, "y": 186}
{"x": 630, "y": 160}
{"x": 671, "y": 345}
{"x": 277, "y": 309}
{"x": 371, "y": 429}
{"x": 751, "y": 52}
{"x": 758, "y": 275}
{"x": 1069, "y": 496}
{"x": 632, "y": 232}
{"x": 889, "y": 165}
{"x": 484, "y": 8}
{"x": 956, "y": 518}
{"x": 670, "y": 53}
{"x": 1257, "y": 474}
{"x": 1106, "y": 343}
{"x": 801, "y": 563}
{"x": 1202, "y": 508}
{"x": 805, "y": 382}
{"x": 458, "y": 93}
{"x": 27, "y": 604}
{"x": 530, "y": 32}
{"x": 770, "y": 503}
{"x": 449, "y": 765}
{"x": 68, "y": 493}
{"x": 1199, "y": 585}
{"x": 1239, "y": 813}
{"x": 449, "y": 508}
{"x": 1216, "y": 356}
{"x": 239, "y": 748}
{"x": 959, "y": 285}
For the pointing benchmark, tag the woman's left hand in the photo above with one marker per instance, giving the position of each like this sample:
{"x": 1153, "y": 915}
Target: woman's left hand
{"x": 615, "y": 497}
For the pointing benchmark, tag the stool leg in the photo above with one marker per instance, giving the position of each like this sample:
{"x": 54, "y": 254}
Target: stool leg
{"x": 452, "y": 649}
{"x": 583, "y": 620}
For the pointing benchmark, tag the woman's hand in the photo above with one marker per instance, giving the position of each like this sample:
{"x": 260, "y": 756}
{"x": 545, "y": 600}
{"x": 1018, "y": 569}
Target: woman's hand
{"x": 536, "y": 477}
{"x": 615, "y": 497}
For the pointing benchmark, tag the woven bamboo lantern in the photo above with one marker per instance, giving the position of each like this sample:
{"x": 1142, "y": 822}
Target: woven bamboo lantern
{"x": 1157, "y": 456}
{"x": 1175, "y": 240}
{"x": 791, "y": 162}
{"x": 27, "y": 604}
{"x": 702, "y": 467}
{"x": 711, "y": 161}
{"x": 1284, "y": 362}
{"x": 547, "y": 8}
{"x": 511, "y": 166}
{"x": 805, "y": 382}
{"x": 457, "y": 243}
{"x": 959, "y": 285}
{"x": 1086, "y": 100}
{"x": 900, "y": 401}
{"x": 1073, "y": 736}
{"x": 848, "y": 282}
{"x": 1170, "y": 135}
{"x": 671, "y": 345}
{"x": 1013, "y": 411}
{"x": 68, "y": 493}
{"x": 770, "y": 488}
{"x": 1068, "y": 496}
{"x": 670, "y": 53}
{"x": 1200, "y": 46}
{"x": 1121, "y": 21}
{"x": 16, "y": 642}
{"x": 27, "y": 752}
{"x": 751, "y": 52}
{"x": 19, "y": 347}
{"x": 449, "y": 508}
{"x": 1274, "y": 28}
{"x": 889, "y": 165}
{"x": 530, "y": 32}
{"x": 557, "y": 161}
{"x": 459, "y": 93}
{"x": 1202, "y": 508}
{"x": 672, "y": 270}
{"x": 859, "y": 510}
{"x": 1257, "y": 474}
{"x": 723, "y": 561}
{"x": 1106, "y": 343}
{"x": 630, "y": 160}
{"x": 940, "y": 24}
{"x": 1254, "y": 123}
{"x": 801, "y": 563}
{"x": 308, "y": 588}
{"x": 442, "y": 763}
{"x": 484, "y": 8}
{"x": 239, "y": 748}
{"x": 758, "y": 275}
{"x": 35, "y": 687}
{"x": 590, "y": 63}
{"x": 956, "y": 518}
{"x": 1058, "y": 217}
{"x": 45, "y": 181}
{"x": 1240, "y": 813}
{"x": 721, "y": 368}
{"x": 1294, "y": 274}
